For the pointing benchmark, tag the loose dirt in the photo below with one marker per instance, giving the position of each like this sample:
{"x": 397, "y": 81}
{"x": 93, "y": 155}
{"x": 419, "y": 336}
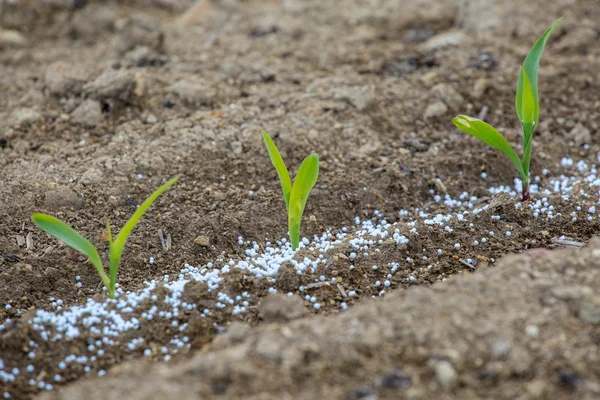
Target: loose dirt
{"x": 101, "y": 102}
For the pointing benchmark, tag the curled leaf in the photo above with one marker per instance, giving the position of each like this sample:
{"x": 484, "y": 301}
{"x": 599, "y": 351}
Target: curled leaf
{"x": 488, "y": 134}
{"x": 64, "y": 232}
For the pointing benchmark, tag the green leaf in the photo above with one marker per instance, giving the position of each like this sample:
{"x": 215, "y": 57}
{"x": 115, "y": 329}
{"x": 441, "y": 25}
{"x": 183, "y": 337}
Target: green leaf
{"x": 488, "y": 134}
{"x": 282, "y": 171}
{"x": 305, "y": 180}
{"x": 529, "y": 112}
{"x": 64, "y": 232}
{"x": 531, "y": 67}
{"x": 529, "y": 108}
{"x": 117, "y": 246}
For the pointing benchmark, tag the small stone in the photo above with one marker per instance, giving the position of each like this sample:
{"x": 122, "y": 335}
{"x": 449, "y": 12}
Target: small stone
{"x": 430, "y": 78}
{"x": 445, "y": 374}
{"x": 480, "y": 88}
{"x": 361, "y": 97}
{"x": 113, "y": 201}
{"x": 91, "y": 177}
{"x": 194, "y": 92}
{"x": 435, "y": 109}
{"x": 281, "y": 308}
{"x": 139, "y": 56}
{"x": 202, "y": 241}
{"x": 443, "y": 40}
{"x": 111, "y": 85}
{"x": 500, "y": 348}
{"x": 24, "y": 117}
{"x": 10, "y": 38}
{"x": 266, "y": 75}
{"x": 237, "y": 148}
{"x": 589, "y": 310}
{"x": 136, "y": 31}
{"x": 448, "y": 95}
{"x": 415, "y": 144}
{"x": 580, "y": 134}
{"x": 88, "y": 113}
{"x": 151, "y": 119}
{"x": 62, "y": 197}
{"x": 532, "y": 331}
{"x": 62, "y": 78}
{"x": 396, "y": 379}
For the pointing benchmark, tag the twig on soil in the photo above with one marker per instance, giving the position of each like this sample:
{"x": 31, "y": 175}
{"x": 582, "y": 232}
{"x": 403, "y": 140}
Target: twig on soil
{"x": 567, "y": 243}
{"x": 483, "y": 113}
{"x": 29, "y": 240}
{"x": 428, "y": 204}
{"x": 471, "y": 266}
{"x": 342, "y": 291}
{"x": 316, "y": 285}
{"x": 20, "y": 240}
{"x": 166, "y": 244}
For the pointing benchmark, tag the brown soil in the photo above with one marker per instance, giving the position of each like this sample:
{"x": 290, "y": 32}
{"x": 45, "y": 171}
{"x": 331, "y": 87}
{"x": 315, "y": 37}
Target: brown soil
{"x": 92, "y": 96}
{"x": 451, "y": 340}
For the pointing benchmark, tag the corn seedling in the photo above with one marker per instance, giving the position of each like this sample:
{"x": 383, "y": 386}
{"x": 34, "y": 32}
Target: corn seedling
{"x": 295, "y": 196}
{"x": 527, "y": 107}
{"x": 64, "y": 232}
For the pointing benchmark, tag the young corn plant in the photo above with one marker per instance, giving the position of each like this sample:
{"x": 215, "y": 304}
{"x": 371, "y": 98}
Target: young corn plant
{"x": 64, "y": 232}
{"x": 295, "y": 196}
{"x": 527, "y": 107}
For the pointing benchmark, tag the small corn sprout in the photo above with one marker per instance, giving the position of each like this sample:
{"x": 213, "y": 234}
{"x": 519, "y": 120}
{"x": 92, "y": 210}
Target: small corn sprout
{"x": 64, "y": 232}
{"x": 295, "y": 196}
{"x": 527, "y": 107}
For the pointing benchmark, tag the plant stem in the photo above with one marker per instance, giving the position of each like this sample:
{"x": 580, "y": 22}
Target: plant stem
{"x": 525, "y": 193}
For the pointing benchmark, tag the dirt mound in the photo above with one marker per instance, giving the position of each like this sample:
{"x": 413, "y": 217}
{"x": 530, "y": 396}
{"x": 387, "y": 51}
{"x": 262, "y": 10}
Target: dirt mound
{"x": 101, "y": 101}
{"x": 527, "y": 328}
